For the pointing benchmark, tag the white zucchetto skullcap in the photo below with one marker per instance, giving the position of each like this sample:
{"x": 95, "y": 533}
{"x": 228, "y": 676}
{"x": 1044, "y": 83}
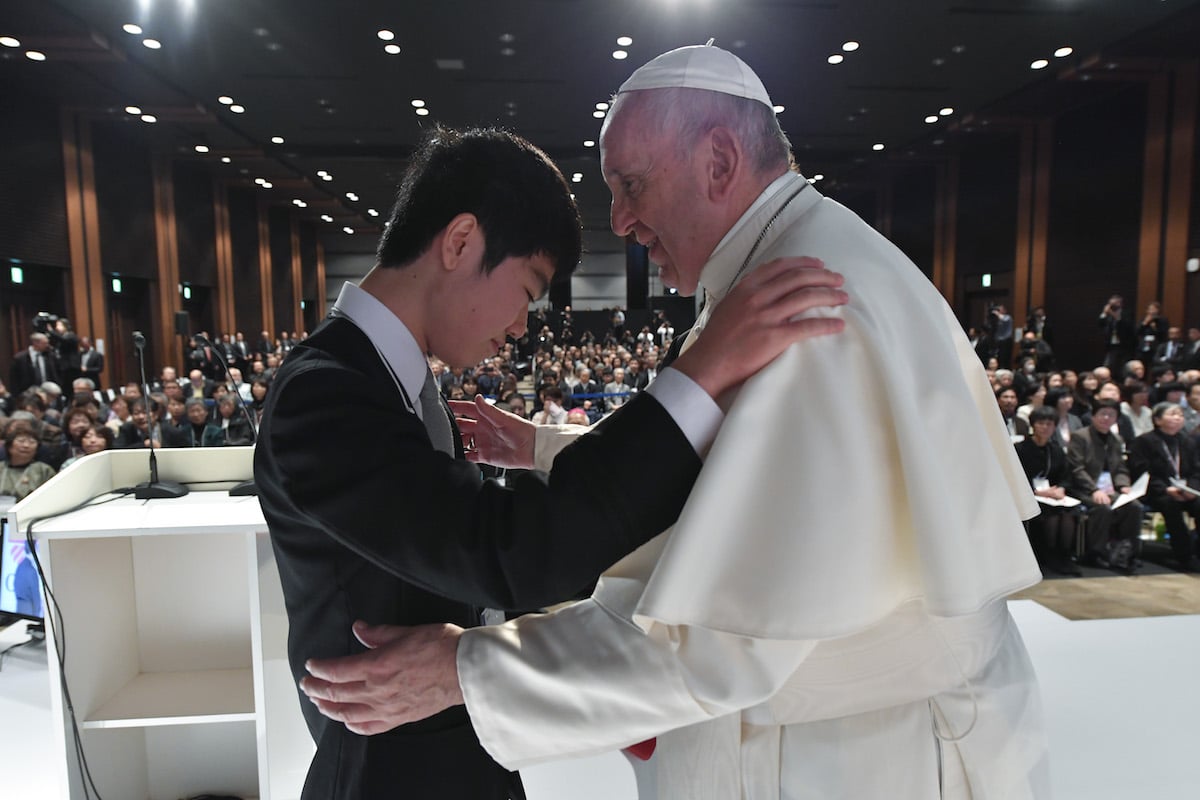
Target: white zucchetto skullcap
{"x": 699, "y": 67}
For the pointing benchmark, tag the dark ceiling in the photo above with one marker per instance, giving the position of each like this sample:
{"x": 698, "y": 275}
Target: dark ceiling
{"x": 317, "y": 75}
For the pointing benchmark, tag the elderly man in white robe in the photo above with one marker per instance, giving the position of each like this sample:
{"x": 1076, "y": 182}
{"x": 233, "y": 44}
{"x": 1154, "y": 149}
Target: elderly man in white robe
{"x": 784, "y": 639}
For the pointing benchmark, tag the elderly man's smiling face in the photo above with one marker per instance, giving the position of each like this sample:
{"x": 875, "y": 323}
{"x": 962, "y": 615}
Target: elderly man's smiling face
{"x": 658, "y": 193}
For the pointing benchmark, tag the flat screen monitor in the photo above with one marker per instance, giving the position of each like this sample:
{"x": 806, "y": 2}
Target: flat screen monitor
{"x": 20, "y": 585}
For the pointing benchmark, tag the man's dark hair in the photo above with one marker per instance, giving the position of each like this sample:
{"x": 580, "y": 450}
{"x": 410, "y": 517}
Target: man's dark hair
{"x": 519, "y": 197}
{"x": 1042, "y": 413}
{"x": 1106, "y": 402}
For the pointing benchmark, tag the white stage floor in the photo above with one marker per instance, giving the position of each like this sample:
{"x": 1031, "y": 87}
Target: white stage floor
{"x": 1121, "y": 702}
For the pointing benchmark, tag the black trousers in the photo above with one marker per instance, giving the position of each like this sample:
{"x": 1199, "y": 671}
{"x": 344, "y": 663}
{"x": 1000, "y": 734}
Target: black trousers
{"x": 1104, "y": 523}
{"x": 1182, "y": 538}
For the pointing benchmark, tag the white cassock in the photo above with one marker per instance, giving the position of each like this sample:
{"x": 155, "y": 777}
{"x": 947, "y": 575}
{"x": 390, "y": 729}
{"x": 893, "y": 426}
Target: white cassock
{"x": 827, "y": 617}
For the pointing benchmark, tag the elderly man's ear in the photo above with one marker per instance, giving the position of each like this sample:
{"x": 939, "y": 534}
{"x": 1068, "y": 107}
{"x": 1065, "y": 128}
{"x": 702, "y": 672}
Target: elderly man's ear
{"x": 725, "y": 162}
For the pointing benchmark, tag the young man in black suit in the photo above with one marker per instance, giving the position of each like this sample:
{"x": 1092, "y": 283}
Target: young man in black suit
{"x": 375, "y": 514}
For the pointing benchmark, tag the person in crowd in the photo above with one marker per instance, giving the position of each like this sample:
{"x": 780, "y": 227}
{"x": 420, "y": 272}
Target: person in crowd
{"x": 1137, "y": 408}
{"x": 76, "y": 422}
{"x": 553, "y": 410}
{"x": 21, "y": 472}
{"x": 34, "y": 365}
{"x": 515, "y": 404}
{"x": 740, "y": 636}
{"x": 616, "y": 393}
{"x": 1172, "y": 351}
{"x": 1039, "y": 326}
{"x": 232, "y": 423}
{"x": 577, "y": 416}
{"x": 1037, "y": 349}
{"x": 198, "y": 431}
{"x": 1033, "y": 399}
{"x": 1099, "y": 476}
{"x": 1006, "y": 399}
{"x": 1151, "y": 332}
{"x": 259, "y": 388}
{"x": 999, "y": 324}
{"x": 1118, "y": 332}
{"x": 139, "y": 431}
{"x": 118, "y": 413}
{"x": 1173, "y": 464}
{"x": 1065, "y": 422}
{"x": 91, "y": 360}
{"x": 1191, "y": 409}
{"x": 97, "y": 438}
{"x": 198, "y": 385}
{"x": 1113, "y": 391}
{"x": 1045, "y": 463}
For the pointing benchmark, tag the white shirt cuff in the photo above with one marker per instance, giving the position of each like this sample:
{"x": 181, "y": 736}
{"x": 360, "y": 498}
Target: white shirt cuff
{"x": 696, "y": 414}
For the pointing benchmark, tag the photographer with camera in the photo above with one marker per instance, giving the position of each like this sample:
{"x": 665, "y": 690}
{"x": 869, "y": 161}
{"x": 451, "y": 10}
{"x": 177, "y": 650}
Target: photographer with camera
{"x": 999, "y": 326}
{"x": 1118, "y": 334}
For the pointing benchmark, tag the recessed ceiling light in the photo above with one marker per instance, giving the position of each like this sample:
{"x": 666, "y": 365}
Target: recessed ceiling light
{"x": 134, "y": 110}
{"x": 1063, "y": 52}
{"x": 260, "y": 181}
{"x": 620, "y": 55}
{"x": 149, "y": 118}
{"x": 418, "y": 103}
{"x": 877, "y": 147}
{"x": 624, "y": 41}
{"x": 327, "y": 177}
{"x": 9, "y": 41}
{"x": 298, "y": 203}
{"x": 576, "y": 179}
{"x": 589, "y": 143}
{"x": 1041, "y": 63}
{"x": 602, "y": 106}
{"x": 372, "y": 212}
{"x": 598, "y": 114}
{"x": 386, "y": 35}
{"x": 262, "y": 33}
{"x": 932, "y": 118}
{"x": 131, "y": 28}
{"x": 507, "y": 52}
{"x": 958, "y": 49}
{"x": 836, "y": 58}
{"x": 347, "y": 229}
{"x": 577, "y": 175}
{"x": 225, "y": 100}
{"x": 276, "y": 140}
{"x": 351, "y": 196}
{"x": 201, "y": 148}
{"x": 153, "y": 44}
{"x": 818, "y": 177}
{"x": 226, "y": 159}
{"x": 35, "y": 55}
{"x": 947, "y": 111}
{"x": 507, "y": 37}
{"x": 267, "y": 185}
{"x": 778, "y": 109}
{"x": 850, "y": 47}
{"x": 326, "y": 218}
{"x": 392, "y": 49}
{"x": 422, "y": 112}
{"x": 237, "y": 109}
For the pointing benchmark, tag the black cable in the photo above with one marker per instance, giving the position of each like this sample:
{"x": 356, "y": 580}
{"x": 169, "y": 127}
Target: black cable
{"x": 55, "y": 620}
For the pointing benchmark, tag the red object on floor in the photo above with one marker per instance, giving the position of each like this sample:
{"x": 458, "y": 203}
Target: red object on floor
{"x": 642, "y": 750}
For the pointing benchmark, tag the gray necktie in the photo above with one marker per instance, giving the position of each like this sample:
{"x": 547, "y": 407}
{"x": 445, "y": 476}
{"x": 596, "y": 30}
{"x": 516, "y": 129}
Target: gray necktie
{"x": 436, "y": 422}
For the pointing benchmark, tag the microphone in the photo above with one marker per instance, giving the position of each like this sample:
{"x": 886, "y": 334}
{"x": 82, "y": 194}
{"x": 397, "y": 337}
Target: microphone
{"x": 249, "y": 487}
{"x": 154, "y": 488}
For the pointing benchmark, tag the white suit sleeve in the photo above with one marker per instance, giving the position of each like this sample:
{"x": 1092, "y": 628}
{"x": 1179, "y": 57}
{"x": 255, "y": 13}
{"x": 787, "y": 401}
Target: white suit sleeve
{"x": 532, "y": 697}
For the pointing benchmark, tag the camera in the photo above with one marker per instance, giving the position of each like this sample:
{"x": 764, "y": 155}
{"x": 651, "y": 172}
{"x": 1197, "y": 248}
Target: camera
{"x": 44, "y": 321}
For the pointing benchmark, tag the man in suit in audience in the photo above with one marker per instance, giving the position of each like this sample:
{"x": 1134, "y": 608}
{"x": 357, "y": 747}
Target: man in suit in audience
{"x": 34, "y": 365}
{"x": 374, "y": 513}
{"x": 1173, "y": 351}
{"x": 91, "y": 361}
{"x": 585, "y": 386}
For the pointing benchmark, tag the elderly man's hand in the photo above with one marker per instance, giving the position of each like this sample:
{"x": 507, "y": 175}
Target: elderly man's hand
{"x": 409, "y": 674}
{"x": 494, "y": 436}
{"x": 757, "y": 321}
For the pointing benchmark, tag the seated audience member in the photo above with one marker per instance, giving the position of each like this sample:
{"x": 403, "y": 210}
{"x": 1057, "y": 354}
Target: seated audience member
{"x": 1004, "y": 377}
{"x": 616, "y": 393}
{"x": 470, "y": 387}
{"x": 1032, "y": 400}
{"x": 1137, "y": 408}
{"x": 1172, "y": 350}
{"x": 1054, "y": 380}
{"x": 76, "y": 422}
{"x": 1026, "y": 378}
{"x": 132, "y": 390}
{"x": 139, "y": 431}
{"x": 197, "y": 385}
{"x": 1006, "y": 398}
{"x": 553, "y": 412}
{"x": 1060, "y": 402}
{"x": 176, "y": 412}
{"x": 1052, "y": 533}
{"x": 21, "y": 472}
{"x": 199, "y": 432}
{"x": 1099, "y": 476}
{"x": 1103, "y": 375}
{"x": 118, "y": 413}
{"x": 1191, "y": 410}
{"x": 1110, "y": 390}
{"x": 577, "y": 416}
{"x": 584, "y": 386}
{"x": 1070, "y": 379}
{"x": 96, "y": 438}
{"x": 231, "y": 421}
{"x": 1083, "y": 394}
{"x": 515, "y": 404}
{"x": 1171, "y": 460}
{"x": 259, "y": 387}
{"x": 1135, "y": 370}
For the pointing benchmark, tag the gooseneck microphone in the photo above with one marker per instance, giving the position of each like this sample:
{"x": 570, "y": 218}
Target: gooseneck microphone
{"x": 249, "y": 487}
{"x": 154, "y": 488}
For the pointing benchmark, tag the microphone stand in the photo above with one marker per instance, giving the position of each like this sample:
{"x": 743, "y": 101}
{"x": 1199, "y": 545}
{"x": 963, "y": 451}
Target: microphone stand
{"x": 154, "y": 488}
{"x": 245, "y": 488}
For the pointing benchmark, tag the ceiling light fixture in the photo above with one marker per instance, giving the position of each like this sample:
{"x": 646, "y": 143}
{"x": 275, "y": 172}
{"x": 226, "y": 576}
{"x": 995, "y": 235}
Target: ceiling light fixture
{"x": 947, "y": 111}
{"x": 392, "y": 49}
{"x": 589, "y": 143}
{"x": 850, "y": 47}
{"x": 1063, "y": 52}
{"x": 422, "y": 112}
{"x": 598, "y": 114}
{"x": 877, "y": 147}
{"x": 153, "y": 44}
{"x": 836, "y": 58}
{"x": 134, "y": 110}
{"x": 149, "y": 118}
{"x": 386, "y": 35}
{"x": 327, "y": 177}
{"x": 9, "y": 41}
{"x": 418, "y": 103}
{"x": 1041, "y": 63}
{"x": 267, "y": 185}
{"x": 326, "y": 218}
{"x": 602, "y": 106}
{"x": 818, "y": 177}
{"x": 372, "y": 212}
{"x": 260, "y": 181}
{"x": 507, "y": 52}
{"x": 932, "y": 118}
{"x": 347, "y": 229}
{"x": 237, "y": 109}
{"x": 225, "y": 100}
{"x": 298, "y": 203}
{"x": 777, "y": 109}
{"x": 132, "y": 29}
{"x": 35, "y": 55}
{"x": 624, "y": 41}
{"x": 226, "y": 159}
{"x": 201, "y": 148}
{"x": 620, "y": 55}
{"x": 352, "y": 197}
{"x": 276, "y": 140}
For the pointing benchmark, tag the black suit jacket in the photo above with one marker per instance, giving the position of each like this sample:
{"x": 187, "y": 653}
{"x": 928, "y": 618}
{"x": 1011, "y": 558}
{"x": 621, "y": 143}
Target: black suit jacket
{"x": 22, "y": 375}
{"x": 369, "y": 521}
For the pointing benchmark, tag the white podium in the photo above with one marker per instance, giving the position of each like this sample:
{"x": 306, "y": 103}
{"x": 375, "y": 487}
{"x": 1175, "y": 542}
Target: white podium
{"x": 175, "y": 627}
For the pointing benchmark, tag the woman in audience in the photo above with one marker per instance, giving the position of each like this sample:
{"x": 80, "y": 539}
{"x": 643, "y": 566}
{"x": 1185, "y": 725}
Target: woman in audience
{"x": 1171, "y": 460}
{"x": 75, "y": 423}
{"x": 259, "y": 387}
{"x": 96, "y": 438}
{"x": 235, "y": 429}
{"x": 118, "y": 413}
{"x": 1136, "y": 407}
{"x": 1065, "y": 423}
{"x": 1085, "y": 391}
{"x": 1033, "y": 400}
{"x": 1052, "y": 534}
{"x": 21, "y": 473}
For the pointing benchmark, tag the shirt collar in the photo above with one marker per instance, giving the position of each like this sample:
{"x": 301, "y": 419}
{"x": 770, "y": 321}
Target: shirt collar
{"x": 391, "y": 337}
{"x": 731, "y": 251}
